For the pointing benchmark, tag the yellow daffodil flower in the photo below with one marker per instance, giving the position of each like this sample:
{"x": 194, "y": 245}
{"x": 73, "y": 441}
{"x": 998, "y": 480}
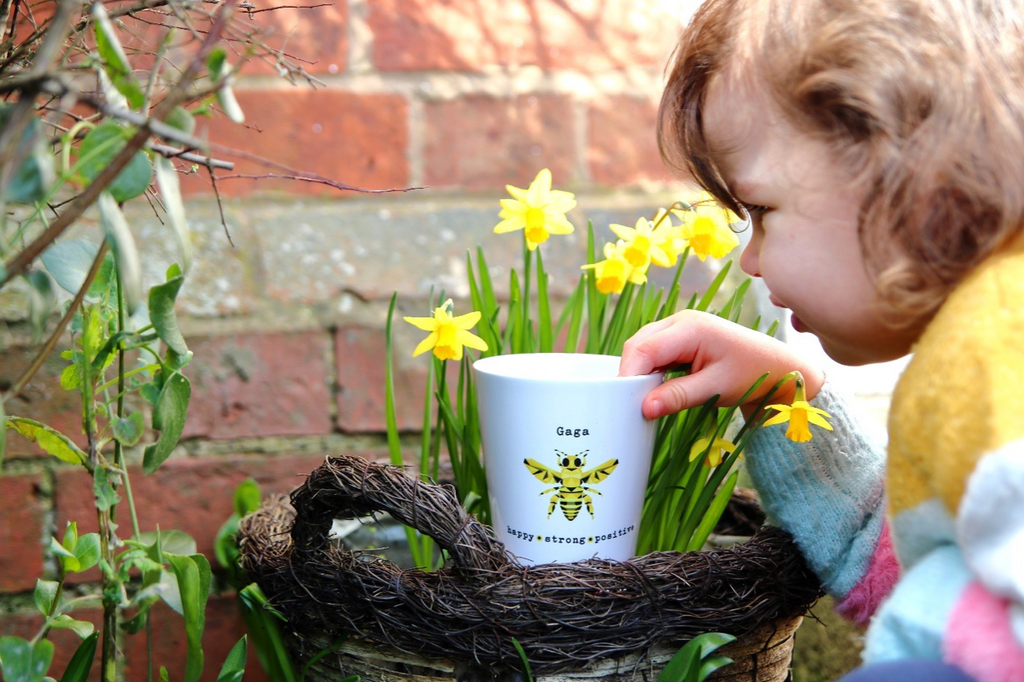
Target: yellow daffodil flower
{"x": 614, "y": 271}
{"x": 668, "y": 236}
{"x": 706, "y": 228}
{"x": 714, "y": 457}
{"x": 640, "y": 245}
{"x": 538, "y": 210}
{"x": 800, "y": 414}
{"x": 447, "y": 334}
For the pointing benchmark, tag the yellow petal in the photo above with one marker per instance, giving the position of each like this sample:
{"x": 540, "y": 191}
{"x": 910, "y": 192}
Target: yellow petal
{"x": 516, "y": 192}
{"x": 560, "y": 201}
{"x": 466, "y": 321}
{"x": 781, "y": 418}
{"x": 427, "y": 324}
{"x": 465, "y": 338}
{"x": 818, "y": 420}
{"x": 699, "y": 447}
{"x": 537, "y": 195}
{"x": 623, "y": 232}
{"x": 426, "y": 344}
{"x": 510, "y": 224}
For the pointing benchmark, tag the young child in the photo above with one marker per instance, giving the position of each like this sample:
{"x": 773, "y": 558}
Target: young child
{"x": 877, "y": 147}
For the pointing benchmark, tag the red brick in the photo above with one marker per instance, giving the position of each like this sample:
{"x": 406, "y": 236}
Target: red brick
{"x": 224, "y": 627}
{"x": 313, "y": 37}
{"x": 42, "y": 399}
{"x": 622, "y": 146}
{"x": 470, "y": 35}
{"x": 22, "y": 516}
{"x": 360, "y": 359}
{"x": 190, "y": 495}
{"x": 358, "y": 139}
{"x": 259, "y": 385}
{"x": 65, "y": 642}
{"x": 483, "y": 142}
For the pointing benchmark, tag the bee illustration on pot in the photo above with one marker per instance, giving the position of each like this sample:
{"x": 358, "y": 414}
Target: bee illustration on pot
{"x": 569, "y": 490}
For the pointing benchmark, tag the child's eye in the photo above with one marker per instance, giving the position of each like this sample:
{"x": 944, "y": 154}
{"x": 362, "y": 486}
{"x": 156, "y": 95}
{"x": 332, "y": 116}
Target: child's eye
{"x": 754, "y": 211}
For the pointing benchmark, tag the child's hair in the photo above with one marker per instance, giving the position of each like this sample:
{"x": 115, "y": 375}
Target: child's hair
{"x": 923, "y": 99}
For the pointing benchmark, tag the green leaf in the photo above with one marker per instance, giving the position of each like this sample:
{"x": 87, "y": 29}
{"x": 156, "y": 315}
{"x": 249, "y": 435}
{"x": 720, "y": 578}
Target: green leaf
{"x": 70, "y": 536}
{"x": 52, "y": 441}
{"x": 170, "y": 191}
{"x": 161, "y": 313}
{"x": 527, "y": 673}
{"x": 684, "y": 665}
{"x": 710, "y": 665}
{"x": 23, "y": 662}
{"x": 100, "y": 147}
{"x": 32, "y": 180}
{"x": 45, "y": 594}
{"x": 170, "y": 541}
{"x": 225, "y": 548}
{"x": 234, "y": 664}
{"x": 215, "y": 62}
{"x": 126, "y": 254}
{"x": 247, "y": 497}
{"x": 86, "y": 552}
{"x": 128, "y": 430}
{"x": 82, "y": 628}
{"x": 229, "y": 103}
{"x": 69, "y": 261}
{"x": 169, "y": 416}
{"x": 40, "y": 299}
{"x": 103, "y": 488}
{"x": 193, "y": 574}
{"x": 115, "y": 62}
{"x": 713, "y": 513}
{"x": 81, "y": 663}
{"x": 182, "y": 119}
{"x": 219, "y": 69}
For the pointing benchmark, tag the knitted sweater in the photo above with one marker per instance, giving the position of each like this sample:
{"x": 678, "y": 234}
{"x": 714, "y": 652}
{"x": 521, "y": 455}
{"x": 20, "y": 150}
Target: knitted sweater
{"x": 931, "y": 552}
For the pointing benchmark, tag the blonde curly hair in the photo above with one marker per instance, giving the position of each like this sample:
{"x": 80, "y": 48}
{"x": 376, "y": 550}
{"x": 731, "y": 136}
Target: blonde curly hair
{"x": 922, "y": 99}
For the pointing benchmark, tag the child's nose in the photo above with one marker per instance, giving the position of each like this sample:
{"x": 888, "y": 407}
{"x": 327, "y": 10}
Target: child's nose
{"x": 749, "y": 257}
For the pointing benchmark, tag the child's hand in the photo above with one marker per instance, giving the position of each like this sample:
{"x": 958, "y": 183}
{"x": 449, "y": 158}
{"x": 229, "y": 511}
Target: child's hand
{"x": 725, "y": 359}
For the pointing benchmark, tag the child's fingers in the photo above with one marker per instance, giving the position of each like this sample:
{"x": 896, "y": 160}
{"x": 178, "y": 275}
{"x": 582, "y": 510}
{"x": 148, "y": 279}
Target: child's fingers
{"x": 679, "y": 394}
{"x": 659, "y": 345}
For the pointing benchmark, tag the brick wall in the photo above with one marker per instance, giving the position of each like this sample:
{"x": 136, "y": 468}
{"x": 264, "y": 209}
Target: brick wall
{"x": 457, "y": 97}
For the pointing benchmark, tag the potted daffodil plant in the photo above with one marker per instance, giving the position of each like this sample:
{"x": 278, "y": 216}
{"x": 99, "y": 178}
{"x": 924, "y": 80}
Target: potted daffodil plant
{"x": 693, "y": 472}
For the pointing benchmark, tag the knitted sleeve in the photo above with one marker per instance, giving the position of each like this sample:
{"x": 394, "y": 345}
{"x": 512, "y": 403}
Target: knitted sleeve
{"x": 829, "y": 494}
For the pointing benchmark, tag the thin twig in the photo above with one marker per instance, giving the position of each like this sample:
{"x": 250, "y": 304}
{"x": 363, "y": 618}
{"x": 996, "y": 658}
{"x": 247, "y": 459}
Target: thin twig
{"x": 316, "y": 179}
{"x": 220, "y": 205}
{"x": 48, "y": 347}
{"x": 185, "y": 155}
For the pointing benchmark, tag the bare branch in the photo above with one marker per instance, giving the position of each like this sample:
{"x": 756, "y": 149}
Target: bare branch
{"x": 293, "y": 174}
{"x": 220, "y": 206}
{"x": 109, "y": 172}
{"x": 185, "y": 155}
{"x": 317, "y": 179}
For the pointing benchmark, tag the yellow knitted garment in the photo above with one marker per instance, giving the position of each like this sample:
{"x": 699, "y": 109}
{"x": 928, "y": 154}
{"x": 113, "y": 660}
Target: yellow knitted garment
{"x": 962, "y": 395}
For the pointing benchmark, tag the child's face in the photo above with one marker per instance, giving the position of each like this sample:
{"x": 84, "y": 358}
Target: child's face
{"x": 804, "y": 208}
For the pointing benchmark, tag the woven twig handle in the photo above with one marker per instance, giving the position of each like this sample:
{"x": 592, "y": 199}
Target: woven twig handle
{"x": 349, "y": 486}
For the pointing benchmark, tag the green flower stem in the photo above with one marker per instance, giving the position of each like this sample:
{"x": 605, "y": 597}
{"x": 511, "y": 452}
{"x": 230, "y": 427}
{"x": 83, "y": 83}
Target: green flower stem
{"x": 130, "y": 373}
{"x": 118, "y": 448}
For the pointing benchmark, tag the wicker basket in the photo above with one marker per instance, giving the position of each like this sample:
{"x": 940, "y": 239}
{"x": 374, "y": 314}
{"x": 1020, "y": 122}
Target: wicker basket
{"x": 593, "y": 619}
